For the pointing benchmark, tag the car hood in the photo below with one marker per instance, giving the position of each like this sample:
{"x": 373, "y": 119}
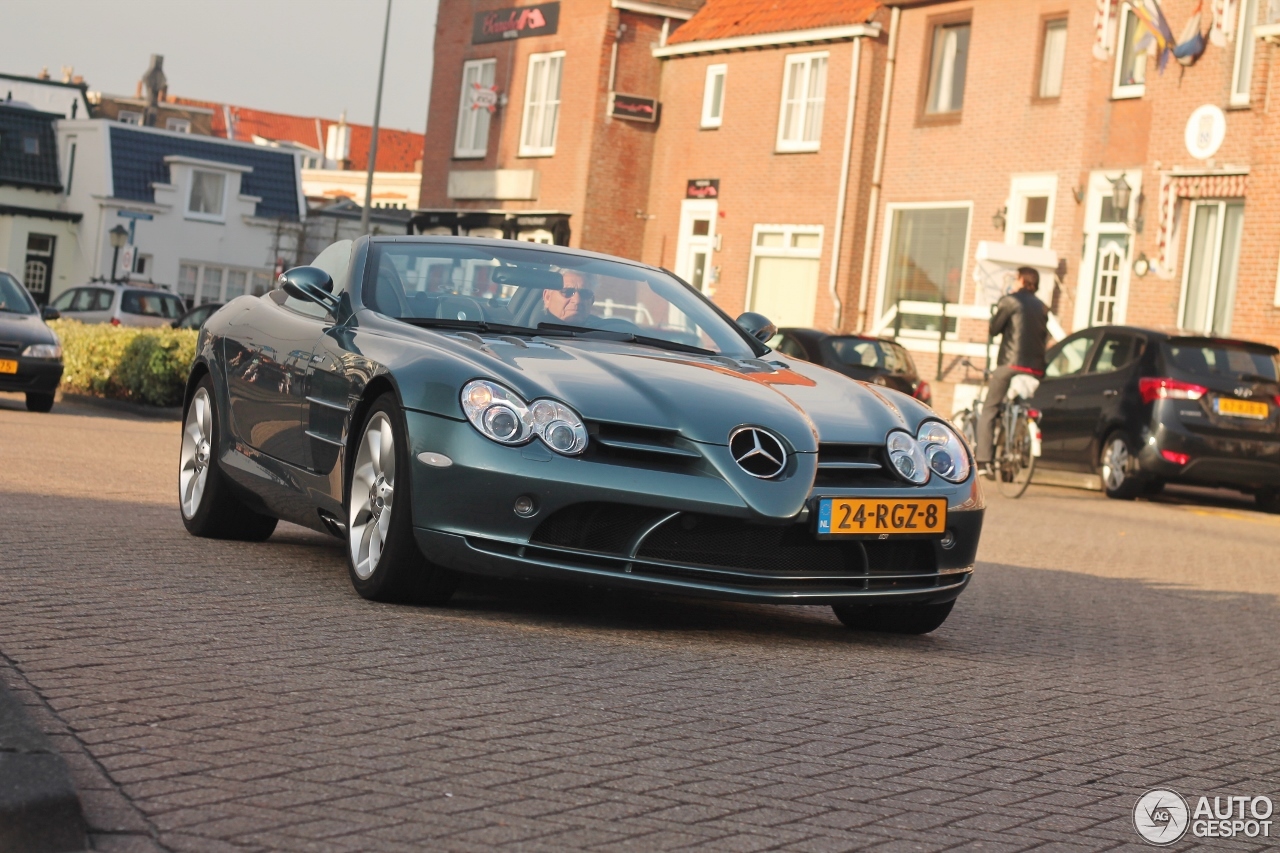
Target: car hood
{"x": 24, "y": 330}
{"x": 703, "y": 397}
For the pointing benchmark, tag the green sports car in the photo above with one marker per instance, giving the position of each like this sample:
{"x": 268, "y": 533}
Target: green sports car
{"x": 452, "y": 406}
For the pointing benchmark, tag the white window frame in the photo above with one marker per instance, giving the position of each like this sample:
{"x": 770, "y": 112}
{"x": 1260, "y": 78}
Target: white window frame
{"x": 251, "y": 278}
{"x": 1052, "y": 24}
{"x": 1131, "y": 90}
{"x": 714, "y": 72}
{"x": 1246, "y": 50}
{"x": 468, "y": 118}
{"x": 803, "y": 63}
{"x": 1022, "y": 187}
{"x": 886, "y": 241}
{"x": 129, "y": 117}
{"x": 1216, "y": 264}
{"x": 786, "y": 250}
{"x": 932, "y": 85}
{"x": 535, "y": 111}
{"x": 178, "y": 125}
{"x": 199, "y": 215}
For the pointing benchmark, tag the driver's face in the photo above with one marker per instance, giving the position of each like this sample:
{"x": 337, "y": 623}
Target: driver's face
{"x": 573, "y": 303}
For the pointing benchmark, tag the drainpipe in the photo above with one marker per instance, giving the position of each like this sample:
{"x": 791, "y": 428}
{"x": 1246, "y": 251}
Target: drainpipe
{"x": 843, "y": 192}
{"x": 877, "y": 173}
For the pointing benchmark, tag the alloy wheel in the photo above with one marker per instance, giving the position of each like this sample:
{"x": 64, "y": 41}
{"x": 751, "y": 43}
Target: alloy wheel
{"x": 1115, "y": 463}
{"x": 197, "y": 450}
{"x": 372, "y": 493}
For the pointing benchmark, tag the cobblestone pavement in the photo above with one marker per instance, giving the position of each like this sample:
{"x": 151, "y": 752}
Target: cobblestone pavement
{"x": 221, "y": 696}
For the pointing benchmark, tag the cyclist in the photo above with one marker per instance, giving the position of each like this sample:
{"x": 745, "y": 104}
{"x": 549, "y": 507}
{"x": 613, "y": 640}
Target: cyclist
{"x": 1020, "y": 318}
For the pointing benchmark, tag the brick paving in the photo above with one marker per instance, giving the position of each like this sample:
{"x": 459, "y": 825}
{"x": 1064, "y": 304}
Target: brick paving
{"x": 215, "y": 696}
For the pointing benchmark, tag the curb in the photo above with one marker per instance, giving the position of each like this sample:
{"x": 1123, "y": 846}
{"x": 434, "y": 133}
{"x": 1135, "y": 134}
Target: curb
{"x": 39, "y": 808}
{"x": 168, "y": 413}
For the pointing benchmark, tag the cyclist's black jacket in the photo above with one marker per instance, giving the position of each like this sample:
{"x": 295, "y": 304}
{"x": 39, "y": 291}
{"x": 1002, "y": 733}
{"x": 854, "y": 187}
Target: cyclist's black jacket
{"x": 1021, "y": 317}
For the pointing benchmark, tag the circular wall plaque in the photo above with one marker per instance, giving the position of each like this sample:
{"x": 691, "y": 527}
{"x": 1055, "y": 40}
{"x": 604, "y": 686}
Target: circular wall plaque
{"x": 1206, "y": 129}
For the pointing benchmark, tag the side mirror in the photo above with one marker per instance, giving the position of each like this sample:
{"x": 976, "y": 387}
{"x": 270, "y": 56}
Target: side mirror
{"x": 48, "y": 312}
{"x": 311, "y": 284}
{"x": 757, "y": 326}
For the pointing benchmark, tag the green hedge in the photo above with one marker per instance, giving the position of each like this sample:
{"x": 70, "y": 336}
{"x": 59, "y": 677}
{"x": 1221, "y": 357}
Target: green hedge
{"x": 142, "y": 365}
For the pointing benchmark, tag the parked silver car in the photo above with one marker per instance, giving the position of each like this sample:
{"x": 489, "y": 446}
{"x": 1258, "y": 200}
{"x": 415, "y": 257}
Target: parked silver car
{"x": 120, "y": 304}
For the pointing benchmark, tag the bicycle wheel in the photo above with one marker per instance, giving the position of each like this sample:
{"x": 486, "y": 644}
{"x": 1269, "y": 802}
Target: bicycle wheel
{"x": 966, "y": 423}
{"x": 1015, "y": 464}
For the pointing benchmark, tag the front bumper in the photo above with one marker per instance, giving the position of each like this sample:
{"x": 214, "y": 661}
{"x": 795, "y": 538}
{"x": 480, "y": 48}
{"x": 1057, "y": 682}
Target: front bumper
{"x": 36, "y": 375}
{"x": 642, "y": 526}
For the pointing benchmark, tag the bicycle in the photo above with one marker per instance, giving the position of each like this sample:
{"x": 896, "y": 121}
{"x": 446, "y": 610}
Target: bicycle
{"x": 1017, "y": 435}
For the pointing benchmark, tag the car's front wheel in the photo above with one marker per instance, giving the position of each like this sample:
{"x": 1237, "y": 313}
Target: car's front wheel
{"x": 382, "y": 556}
{"x": 37, "y": 402}
{"x": 209, "y": 508}
{"x": 894, "y": 618}
{"x": 1268, "y": 500}
{"x": 1117, "y": 467}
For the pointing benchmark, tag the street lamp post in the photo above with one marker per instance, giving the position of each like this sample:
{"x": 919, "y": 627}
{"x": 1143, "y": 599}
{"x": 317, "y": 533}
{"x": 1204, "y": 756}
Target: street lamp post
{"x": 118, "y": 236}
{"x": 373, "y": 136}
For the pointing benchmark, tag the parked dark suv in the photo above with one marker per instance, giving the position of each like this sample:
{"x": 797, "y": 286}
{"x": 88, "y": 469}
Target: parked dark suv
{"x": 870, "y": 359}
{"x": 1142, "y": 408}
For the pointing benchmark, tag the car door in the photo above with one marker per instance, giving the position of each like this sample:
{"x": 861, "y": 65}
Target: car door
{"x": 1066, "y": 362}
{"x": 1096, "y": 402}
{"x": 268, "y": 355}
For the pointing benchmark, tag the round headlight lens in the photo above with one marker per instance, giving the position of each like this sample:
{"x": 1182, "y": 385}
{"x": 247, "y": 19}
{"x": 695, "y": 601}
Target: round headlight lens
{"x": 947, "y": 455}
{"x": 497, "y": 412}
{"x": 559, "y": 427}
{"x": 907, "y": 457}
{"x": 501, "y": 422}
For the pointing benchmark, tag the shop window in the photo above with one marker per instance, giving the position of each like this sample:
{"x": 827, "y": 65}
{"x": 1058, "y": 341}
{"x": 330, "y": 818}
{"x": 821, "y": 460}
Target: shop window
{"x": 784, "y": 273}
{"x": 472, "y": 138}
{"x": 804, "y": 88}
{"x": 713, "y": 95}
{"x": 1131, "y": 58}
{"x": 188, "y": 279}
{"x": 925, "y": 263}
{"x": 261, "y": 283}
{"x": 1053, "y": 56}
{"x": 236, "y": 280}
{"x": 1242, "y": 73}
{"x": 541, "y": 105}
{"x": 948, "y": 65}
{"x": 211, "y": 285}
{"x": 207, "y": 191}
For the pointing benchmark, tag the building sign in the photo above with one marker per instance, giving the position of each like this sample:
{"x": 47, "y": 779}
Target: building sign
{"x": 483, "y": 97}
{"x": 633, "y": 107}
{"x": 1206, "y": 130}
{"x": 519, "y": 23}
{"x": 702, "y": 188}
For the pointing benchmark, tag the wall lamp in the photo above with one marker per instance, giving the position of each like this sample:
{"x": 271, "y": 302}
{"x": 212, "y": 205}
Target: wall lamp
{"x": 999, "y": 220}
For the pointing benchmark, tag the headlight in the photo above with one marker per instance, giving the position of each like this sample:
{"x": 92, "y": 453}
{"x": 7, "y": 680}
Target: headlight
{"x": 43, "y": 351}
{"x": 944, "y": 452}
{"x": 907, "y": 457}
{"x": 499, "y": 414}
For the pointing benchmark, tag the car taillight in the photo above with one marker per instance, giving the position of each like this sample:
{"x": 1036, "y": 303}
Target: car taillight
{"x": 1175, "y": 458}
{"x": 922, "y": 391}
{"x": 1163, "y": 388}
{"x": 1033, "y": 414}
{"x": 115, "y": 321}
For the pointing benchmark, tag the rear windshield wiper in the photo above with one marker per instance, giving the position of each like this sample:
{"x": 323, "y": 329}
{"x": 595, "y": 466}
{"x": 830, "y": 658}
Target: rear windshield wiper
{"x": 1254, "y": 377}
{"x": 471, "y": 326}
{"x": 625, "y": 337}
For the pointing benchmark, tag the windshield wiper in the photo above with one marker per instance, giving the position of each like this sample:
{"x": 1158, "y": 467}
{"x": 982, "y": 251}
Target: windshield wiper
{"x": 470, "y": 326}
{"x": 1254, "y": 377}
{"x": 625, "y": 337}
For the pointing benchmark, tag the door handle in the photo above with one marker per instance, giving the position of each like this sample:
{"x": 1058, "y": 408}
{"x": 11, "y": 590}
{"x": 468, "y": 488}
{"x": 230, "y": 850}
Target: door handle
{"x": 1058, "y": 398}
{"x": 1110, "y": 392}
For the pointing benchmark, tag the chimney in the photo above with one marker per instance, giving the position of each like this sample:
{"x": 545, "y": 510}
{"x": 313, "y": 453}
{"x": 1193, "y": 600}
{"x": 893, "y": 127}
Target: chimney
{"x": 337, "y": 146}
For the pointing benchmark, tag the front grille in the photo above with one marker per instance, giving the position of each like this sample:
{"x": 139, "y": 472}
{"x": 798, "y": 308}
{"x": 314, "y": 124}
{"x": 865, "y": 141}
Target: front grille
{"x": 606, "y": 527}
{"x": 642, "y": 447}
{"x": 7, "y": 347}
{"x": 730, "y": 543}
{"x": 853, "y": 466}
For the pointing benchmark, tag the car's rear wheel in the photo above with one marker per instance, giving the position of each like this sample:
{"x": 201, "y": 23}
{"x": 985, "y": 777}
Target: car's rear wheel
{"x": 382, "y": 556}
{"x": 37, "y": 402}
{"x": 209, "y": 508}
{"x": 1117, "y": 467}
{"x": 894, "y": 618}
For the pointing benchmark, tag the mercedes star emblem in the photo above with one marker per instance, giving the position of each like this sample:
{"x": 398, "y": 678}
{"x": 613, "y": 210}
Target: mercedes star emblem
{"x": 757, "y": 452}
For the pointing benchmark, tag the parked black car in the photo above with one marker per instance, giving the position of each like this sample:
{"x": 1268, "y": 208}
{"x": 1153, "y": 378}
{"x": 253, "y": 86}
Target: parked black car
{"x": 1143, "y": 408}
{"x": 195, "y": 318}
{"x": 30, "y": 353}
{"x": 876, "y": 360}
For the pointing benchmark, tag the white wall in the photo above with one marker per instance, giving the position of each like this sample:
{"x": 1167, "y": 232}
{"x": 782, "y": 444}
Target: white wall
{"x": 46, "y": 97}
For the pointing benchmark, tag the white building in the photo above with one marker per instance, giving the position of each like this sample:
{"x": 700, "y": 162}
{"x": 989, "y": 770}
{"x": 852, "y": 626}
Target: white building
{"x": 206, "y": 215}
{"x": 66, "y": 99}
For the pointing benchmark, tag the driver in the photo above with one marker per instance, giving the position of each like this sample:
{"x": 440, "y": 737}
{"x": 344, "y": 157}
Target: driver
{"x": 572, "y": 303}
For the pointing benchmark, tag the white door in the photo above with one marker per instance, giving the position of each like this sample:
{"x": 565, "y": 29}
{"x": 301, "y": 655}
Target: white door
{"x": 784, "y": 273}
{"x": 1108, "y": 273}
{"x": 1213, "y": 257}
{"x": 1102, "y": 292}
{"x": 696, "y": 243}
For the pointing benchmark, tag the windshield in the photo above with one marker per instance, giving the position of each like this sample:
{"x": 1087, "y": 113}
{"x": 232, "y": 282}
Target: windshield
{"x": 12, "y": 296}
{"x": 505, "y": 285}
{"x": 878, "y": 355}
{"x": 1212, "y": 359}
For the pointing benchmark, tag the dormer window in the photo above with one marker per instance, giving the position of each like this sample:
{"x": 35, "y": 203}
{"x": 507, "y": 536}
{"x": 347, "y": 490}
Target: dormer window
{"x": 31, "y": 145}
{"x": 208, "y": 192}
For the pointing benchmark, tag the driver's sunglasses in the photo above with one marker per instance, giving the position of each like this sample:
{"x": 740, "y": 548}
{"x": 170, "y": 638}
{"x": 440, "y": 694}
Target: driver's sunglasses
{"x": 583, "y": 294}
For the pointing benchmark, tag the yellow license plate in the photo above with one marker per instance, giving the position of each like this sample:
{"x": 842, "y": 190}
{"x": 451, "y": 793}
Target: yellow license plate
{"x": 8, "y": 365}
{"x": 881, "y": 517}
{"x": 1242, "y": 408}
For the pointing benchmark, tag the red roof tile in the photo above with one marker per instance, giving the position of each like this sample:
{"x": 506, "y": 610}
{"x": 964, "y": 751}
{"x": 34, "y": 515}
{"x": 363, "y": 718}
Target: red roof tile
{"x": 398, "y": 150}
{"x": 720, "y": 19}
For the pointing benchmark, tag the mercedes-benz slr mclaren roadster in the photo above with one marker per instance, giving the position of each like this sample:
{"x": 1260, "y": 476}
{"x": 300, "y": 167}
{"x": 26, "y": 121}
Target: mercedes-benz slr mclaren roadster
{"x": 451, "y": 406}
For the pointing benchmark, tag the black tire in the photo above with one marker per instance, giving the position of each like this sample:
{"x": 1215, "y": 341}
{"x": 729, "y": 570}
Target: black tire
{"x": 1118, "y": 467}
{"x": 1152, "y": 487}
{"x": 1268, "y": 500}
{"x": 217, "y": 513}
{"x": 894, "y": 618}
{"x": 37, "y": 402}
{"x": 1015, "y": 466}
{"x": 400, "y": 572}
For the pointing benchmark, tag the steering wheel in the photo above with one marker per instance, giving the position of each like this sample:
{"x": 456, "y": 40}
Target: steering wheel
{"x": 616, "y": 324}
